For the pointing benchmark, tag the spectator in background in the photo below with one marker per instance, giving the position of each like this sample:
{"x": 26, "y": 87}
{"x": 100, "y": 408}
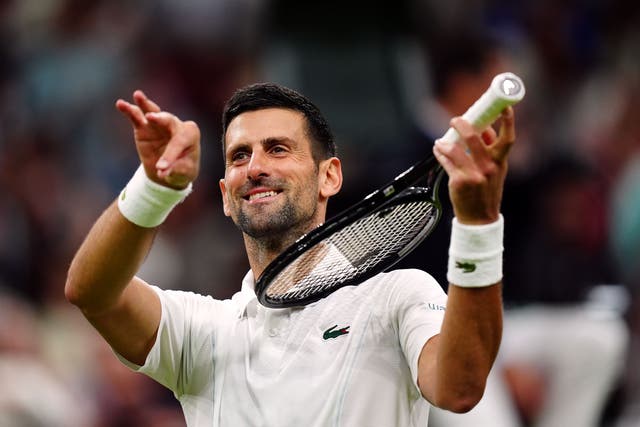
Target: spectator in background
{"x": 623, "y": 145}
{"x": 563, "y": 349}
{"x": 24, "y": 375}
{"x": 626, "y": 245}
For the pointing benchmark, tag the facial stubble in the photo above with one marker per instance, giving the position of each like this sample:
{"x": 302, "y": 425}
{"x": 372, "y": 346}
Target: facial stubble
{"x": 275, "y": 230}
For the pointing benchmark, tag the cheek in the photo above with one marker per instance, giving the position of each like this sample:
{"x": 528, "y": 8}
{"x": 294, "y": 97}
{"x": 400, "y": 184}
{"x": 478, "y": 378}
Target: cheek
{"x": 310, "y": 189}
{"x": 232, "y": 180}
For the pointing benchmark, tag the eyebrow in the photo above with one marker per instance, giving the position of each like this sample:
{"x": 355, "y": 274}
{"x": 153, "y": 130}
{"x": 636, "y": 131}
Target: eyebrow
{"x": 273, "y": 140}
{"x": 266, "y": 142}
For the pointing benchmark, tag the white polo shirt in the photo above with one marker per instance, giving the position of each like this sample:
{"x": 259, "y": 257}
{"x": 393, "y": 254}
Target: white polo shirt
{"x": 350, "y": 359}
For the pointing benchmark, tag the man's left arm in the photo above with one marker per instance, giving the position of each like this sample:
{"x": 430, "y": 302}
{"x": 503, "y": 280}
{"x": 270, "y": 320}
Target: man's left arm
{"x": 454, "y": 365}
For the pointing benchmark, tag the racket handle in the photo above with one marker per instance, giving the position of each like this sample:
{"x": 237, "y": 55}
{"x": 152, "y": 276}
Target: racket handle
{"x": 506, "y": 89}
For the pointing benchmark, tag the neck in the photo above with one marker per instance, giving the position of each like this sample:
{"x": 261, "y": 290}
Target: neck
{"x": 261, "y": 253}
{"x": 262, "y": 250}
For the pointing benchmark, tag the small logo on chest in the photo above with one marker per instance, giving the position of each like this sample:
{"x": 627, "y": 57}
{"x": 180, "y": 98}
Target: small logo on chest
{"x": 332, "y": 332}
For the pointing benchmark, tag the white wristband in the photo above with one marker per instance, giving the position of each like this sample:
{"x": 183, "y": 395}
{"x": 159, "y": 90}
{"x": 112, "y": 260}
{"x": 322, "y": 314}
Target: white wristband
{"x": 475, "y": 254}
{"x": 147, "y": 203}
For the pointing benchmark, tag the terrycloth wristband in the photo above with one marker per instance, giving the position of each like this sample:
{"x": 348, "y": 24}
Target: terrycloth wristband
{"x": 475, "y": 254}
{"x": 147, "y": 203}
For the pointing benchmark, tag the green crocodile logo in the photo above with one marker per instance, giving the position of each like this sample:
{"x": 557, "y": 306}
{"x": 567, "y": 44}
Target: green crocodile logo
{"x": 332, "y": 332}
{"x": 466, "y": 267}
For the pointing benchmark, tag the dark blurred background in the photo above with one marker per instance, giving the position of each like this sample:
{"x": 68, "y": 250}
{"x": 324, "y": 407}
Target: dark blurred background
{"x": 388, "y": 75}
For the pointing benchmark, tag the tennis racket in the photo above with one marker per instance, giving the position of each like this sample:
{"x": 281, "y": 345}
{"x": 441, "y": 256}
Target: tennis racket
{"x": 377, "y": 232}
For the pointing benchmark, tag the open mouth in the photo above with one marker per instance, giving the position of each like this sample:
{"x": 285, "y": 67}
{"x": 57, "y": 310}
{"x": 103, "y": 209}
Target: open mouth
{"x": 260, "y": 195}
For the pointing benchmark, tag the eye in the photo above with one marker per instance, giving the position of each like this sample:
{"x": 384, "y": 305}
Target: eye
{"x": 278, "y": 149}
{"x": 239, "y": 156}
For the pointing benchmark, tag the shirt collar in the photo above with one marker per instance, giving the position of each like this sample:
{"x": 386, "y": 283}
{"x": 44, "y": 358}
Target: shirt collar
{"x": 247, "y": 296}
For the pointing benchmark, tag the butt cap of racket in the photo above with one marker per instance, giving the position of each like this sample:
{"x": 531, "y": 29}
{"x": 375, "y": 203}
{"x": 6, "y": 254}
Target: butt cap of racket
{"x": 506, "y": 89}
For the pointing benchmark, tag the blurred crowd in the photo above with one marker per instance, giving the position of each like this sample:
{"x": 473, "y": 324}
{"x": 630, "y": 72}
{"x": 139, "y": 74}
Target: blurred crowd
{"x": 387, "y": 75}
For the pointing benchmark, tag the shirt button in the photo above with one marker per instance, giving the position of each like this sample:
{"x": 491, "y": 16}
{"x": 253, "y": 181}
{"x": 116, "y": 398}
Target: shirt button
{"x": 273, "y": 332}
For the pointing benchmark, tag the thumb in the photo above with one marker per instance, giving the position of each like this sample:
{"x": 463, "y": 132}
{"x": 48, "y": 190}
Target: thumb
{"x": 169, "y": 124}
{"x": 184, "y": 140}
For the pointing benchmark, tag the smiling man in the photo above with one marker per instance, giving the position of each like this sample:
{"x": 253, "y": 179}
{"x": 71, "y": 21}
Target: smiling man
{"x": 274, "y": 188}
{"x": 377, "y": 354}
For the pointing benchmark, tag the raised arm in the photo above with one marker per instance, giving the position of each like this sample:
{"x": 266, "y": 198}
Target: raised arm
{"x": 454, "y": 365}
{"x": 101, "y": 279}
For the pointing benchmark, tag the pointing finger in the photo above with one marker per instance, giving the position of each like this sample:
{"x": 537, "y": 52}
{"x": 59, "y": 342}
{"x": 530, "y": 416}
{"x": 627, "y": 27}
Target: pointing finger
{"x": 145, "y": 104}
{"x": 133, "y": 113}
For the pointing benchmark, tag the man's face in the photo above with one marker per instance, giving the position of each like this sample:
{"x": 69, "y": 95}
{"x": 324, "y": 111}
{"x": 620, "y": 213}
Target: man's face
{"x": 271, "y": 182}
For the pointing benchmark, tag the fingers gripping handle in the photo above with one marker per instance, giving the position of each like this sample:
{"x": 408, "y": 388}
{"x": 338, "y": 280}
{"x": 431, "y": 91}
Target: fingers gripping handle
{"x": 506, "y": 89}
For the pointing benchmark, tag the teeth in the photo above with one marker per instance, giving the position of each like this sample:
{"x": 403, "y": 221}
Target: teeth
{"x": 262, "y": 195}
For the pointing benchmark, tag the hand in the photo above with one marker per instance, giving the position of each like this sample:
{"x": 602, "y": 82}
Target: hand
{"x": 477, "y": 167}
{"x": 169, "y": 148}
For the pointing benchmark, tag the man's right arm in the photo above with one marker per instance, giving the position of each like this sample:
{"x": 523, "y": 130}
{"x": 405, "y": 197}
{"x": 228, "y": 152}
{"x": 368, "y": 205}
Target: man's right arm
{"x": 101, "y": 279}
{"x": 101, "y": 282}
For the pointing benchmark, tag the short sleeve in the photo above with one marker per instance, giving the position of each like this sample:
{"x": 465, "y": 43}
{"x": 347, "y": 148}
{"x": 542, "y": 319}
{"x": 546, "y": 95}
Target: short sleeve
{"x": 184, "y": 343}
{"x": 419, "y": 305}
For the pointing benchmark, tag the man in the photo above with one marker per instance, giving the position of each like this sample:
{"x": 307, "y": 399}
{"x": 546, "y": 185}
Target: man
{"x": 374, "y": 354}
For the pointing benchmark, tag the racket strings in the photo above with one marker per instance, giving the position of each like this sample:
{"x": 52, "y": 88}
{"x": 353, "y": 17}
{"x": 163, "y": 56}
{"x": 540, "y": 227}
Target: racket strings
{"x": 354, "y": 250}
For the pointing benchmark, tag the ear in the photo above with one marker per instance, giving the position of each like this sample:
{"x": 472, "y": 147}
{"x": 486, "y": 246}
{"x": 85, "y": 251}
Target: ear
{"x": 330, "y": 177}
{"x": 225, "y": 201}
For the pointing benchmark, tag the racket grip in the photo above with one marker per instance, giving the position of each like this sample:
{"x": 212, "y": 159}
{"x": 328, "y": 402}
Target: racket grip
{"x": 506, "y": 89}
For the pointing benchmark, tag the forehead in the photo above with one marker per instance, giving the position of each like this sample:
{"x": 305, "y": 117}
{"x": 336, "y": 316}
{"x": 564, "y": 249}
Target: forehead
{"x": 255, "y": 126}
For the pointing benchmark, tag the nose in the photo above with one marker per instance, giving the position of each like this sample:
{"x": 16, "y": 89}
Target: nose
{"x": 257, "y": 166}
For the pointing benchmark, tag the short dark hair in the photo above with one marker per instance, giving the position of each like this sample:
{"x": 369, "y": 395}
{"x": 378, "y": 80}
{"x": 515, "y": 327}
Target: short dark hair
{"x": 259, "y": 96}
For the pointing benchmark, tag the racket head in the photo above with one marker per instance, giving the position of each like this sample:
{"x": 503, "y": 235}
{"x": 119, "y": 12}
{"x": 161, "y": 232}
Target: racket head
{"x": 355, "y": 245}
